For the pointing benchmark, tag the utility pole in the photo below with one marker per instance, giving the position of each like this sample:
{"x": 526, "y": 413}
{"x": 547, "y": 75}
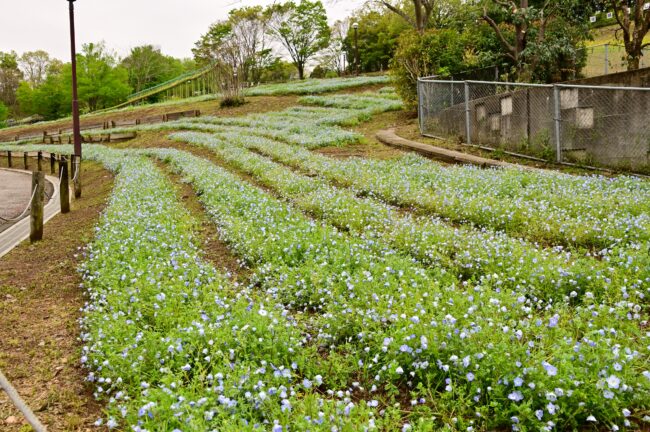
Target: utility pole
{"x": 76, "y": 129}
{"x": 355, "y": 26}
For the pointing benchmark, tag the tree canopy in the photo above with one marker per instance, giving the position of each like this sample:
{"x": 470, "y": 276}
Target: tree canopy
{"x": 301, "y": 28}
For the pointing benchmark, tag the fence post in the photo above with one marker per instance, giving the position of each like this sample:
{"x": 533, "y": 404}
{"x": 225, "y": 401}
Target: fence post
{"x": 468, "y": 127}
{"x": 9, "y": 163}
{"x": 36, "y": 219}
{"x": 40, "y": 161}
{"x": 52, "y": 163}
{"x": 419, "y": 90}
{"x": 451, "y": 93}
{"x": 77, "y": 176}
{"x": 64, "y": 188}
{"x": 25, "y": 161}
{"x": 557, "y": 119}
{"x": 606, "y": 58}
{"x": 72, "y": 162}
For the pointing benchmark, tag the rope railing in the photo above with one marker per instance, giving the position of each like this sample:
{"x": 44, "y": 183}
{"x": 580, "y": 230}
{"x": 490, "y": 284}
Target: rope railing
{"x": 23, "y": 213}
{"x": 20, "y": 404}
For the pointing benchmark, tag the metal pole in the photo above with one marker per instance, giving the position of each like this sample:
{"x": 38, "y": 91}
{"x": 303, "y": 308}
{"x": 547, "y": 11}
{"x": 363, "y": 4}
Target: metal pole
{"x": 468, "y": 127}
{"x": 558, "y": 139}
{"x": 76, "y": 128}
{"x": 420, "y": 107}
{"x": 20, "y": 404}
{"x": 356, "y": 48}
{"x": 75, "y": 97}
{"x": 606, "y": 58}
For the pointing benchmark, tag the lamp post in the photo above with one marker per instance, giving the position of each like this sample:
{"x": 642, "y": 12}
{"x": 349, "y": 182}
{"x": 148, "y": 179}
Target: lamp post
{"x": 76, "y": 130}
{"x": 355, "y": 26}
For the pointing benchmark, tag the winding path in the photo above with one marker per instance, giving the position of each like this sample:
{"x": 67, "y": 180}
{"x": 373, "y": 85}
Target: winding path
{"x": 15, "y": 192}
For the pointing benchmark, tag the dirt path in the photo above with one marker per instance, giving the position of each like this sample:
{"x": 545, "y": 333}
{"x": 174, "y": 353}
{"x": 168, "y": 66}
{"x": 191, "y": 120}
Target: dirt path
{"x": 40, "y": 300}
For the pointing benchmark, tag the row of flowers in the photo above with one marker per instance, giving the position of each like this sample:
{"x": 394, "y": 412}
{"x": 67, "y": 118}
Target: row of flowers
{"x": 314, "y": 86}
{"x": 483, "y": 256}
{"x": 595, "y": 213}
{"x": 467, "y": 354}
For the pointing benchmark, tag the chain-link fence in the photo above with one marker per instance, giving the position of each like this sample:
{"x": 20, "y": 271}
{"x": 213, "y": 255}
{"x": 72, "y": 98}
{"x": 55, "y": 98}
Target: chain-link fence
{"x": 609, "y": 58}
{"x": 608, "y": 126}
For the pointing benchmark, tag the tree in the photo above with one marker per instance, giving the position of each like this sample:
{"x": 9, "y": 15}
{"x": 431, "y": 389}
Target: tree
{"x": 333, "y": 57}
{"x": 34, "y": 65}
{"x": 379, "y": 32}
{"x": 102, "y": 83}
{"x": 522, "y": 28}
{"x": 147, "y": 67}
{"x": 10, "y": 77}
{"x": 239, "y": 42}
{"x": 4, "y": 113}
{"x": 301, "y": 28}
{"x": 421, "y": 12}
{"x": 634, "y": 21}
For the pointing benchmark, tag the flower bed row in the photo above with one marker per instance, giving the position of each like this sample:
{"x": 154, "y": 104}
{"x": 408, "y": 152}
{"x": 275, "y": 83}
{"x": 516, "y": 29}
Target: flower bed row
{"x": 313, "y": 86}
{"x": 484, "y": 355}
{"x": 470, "y": 254}
{"x": 577, "y": 211}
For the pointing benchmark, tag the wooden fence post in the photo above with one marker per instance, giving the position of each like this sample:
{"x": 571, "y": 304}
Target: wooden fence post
{"x": 9, "y": 163}
{"x": 25, "y": 161}
{"x": 52, "y": 163}
{"x": 36, "y": 220}
{"x": 40, "y": 161}
{"x": 64, "y": 188}
{"x": 72, "y": 161}
{"x": 77, "y": 176}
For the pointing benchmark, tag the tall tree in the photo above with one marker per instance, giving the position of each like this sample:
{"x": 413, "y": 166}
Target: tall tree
{"x": 34, "y": 65}
{"x": 522, "y": 28}
{"x": 634, "y": 21}
{"x": 334, "y": 55}
{"x": 240, "y": 42}
{"x": 378, "y": 31}
{"x": 10, "y": 77}
{"x": 301, "y": 28}
{"x": 418, "y": 17}
{"x": 147, "y": 66}
{"x": 4, "y": 113}
{"x": 102, "y": 82}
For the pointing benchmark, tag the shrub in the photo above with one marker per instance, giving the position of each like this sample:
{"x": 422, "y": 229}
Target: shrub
{"x": 437, "y": 52}
{"x": 232, "y": 102}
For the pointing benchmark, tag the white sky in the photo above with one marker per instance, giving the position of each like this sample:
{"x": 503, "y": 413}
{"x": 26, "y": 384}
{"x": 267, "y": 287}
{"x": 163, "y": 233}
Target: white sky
{"x": 173, "y": 25}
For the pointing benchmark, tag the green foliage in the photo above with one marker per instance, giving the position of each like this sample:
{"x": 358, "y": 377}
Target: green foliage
{"x": 301, "y": 28}
{"x": 147, "y": 67}
{"x": 231, "y": 102}
{"x": 4, "y": 113}
{"x": 378, "y": 35}
{"x": 319, "y": 72}
{"x": 102, "y": 82}
{"x": 436, "y": 52}
{"x": 238, "y": 42}
{"x": 542, "y": 41}
{"x": 10, "y": 76}
{"x": 277, "y": 71}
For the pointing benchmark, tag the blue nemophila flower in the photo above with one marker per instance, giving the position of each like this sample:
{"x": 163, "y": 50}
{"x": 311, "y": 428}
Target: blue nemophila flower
{"x": 613, "y": 381}
{"x": 516, "y": 396}
{"x": 549, "y": 368}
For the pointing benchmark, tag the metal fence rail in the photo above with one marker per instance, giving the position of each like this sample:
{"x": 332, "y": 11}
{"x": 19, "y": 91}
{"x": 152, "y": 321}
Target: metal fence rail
{"x": 602, "y": 125}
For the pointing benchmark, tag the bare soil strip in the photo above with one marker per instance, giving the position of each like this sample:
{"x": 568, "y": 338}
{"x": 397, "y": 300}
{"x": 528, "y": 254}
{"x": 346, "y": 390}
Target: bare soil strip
{"x": 40, "y": 299}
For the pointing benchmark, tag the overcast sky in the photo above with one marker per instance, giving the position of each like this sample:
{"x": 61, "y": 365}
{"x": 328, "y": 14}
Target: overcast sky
{"x": 173, "y": 25}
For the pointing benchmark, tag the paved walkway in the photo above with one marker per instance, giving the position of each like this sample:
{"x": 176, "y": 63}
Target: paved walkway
{"x": 15, "y": 193}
